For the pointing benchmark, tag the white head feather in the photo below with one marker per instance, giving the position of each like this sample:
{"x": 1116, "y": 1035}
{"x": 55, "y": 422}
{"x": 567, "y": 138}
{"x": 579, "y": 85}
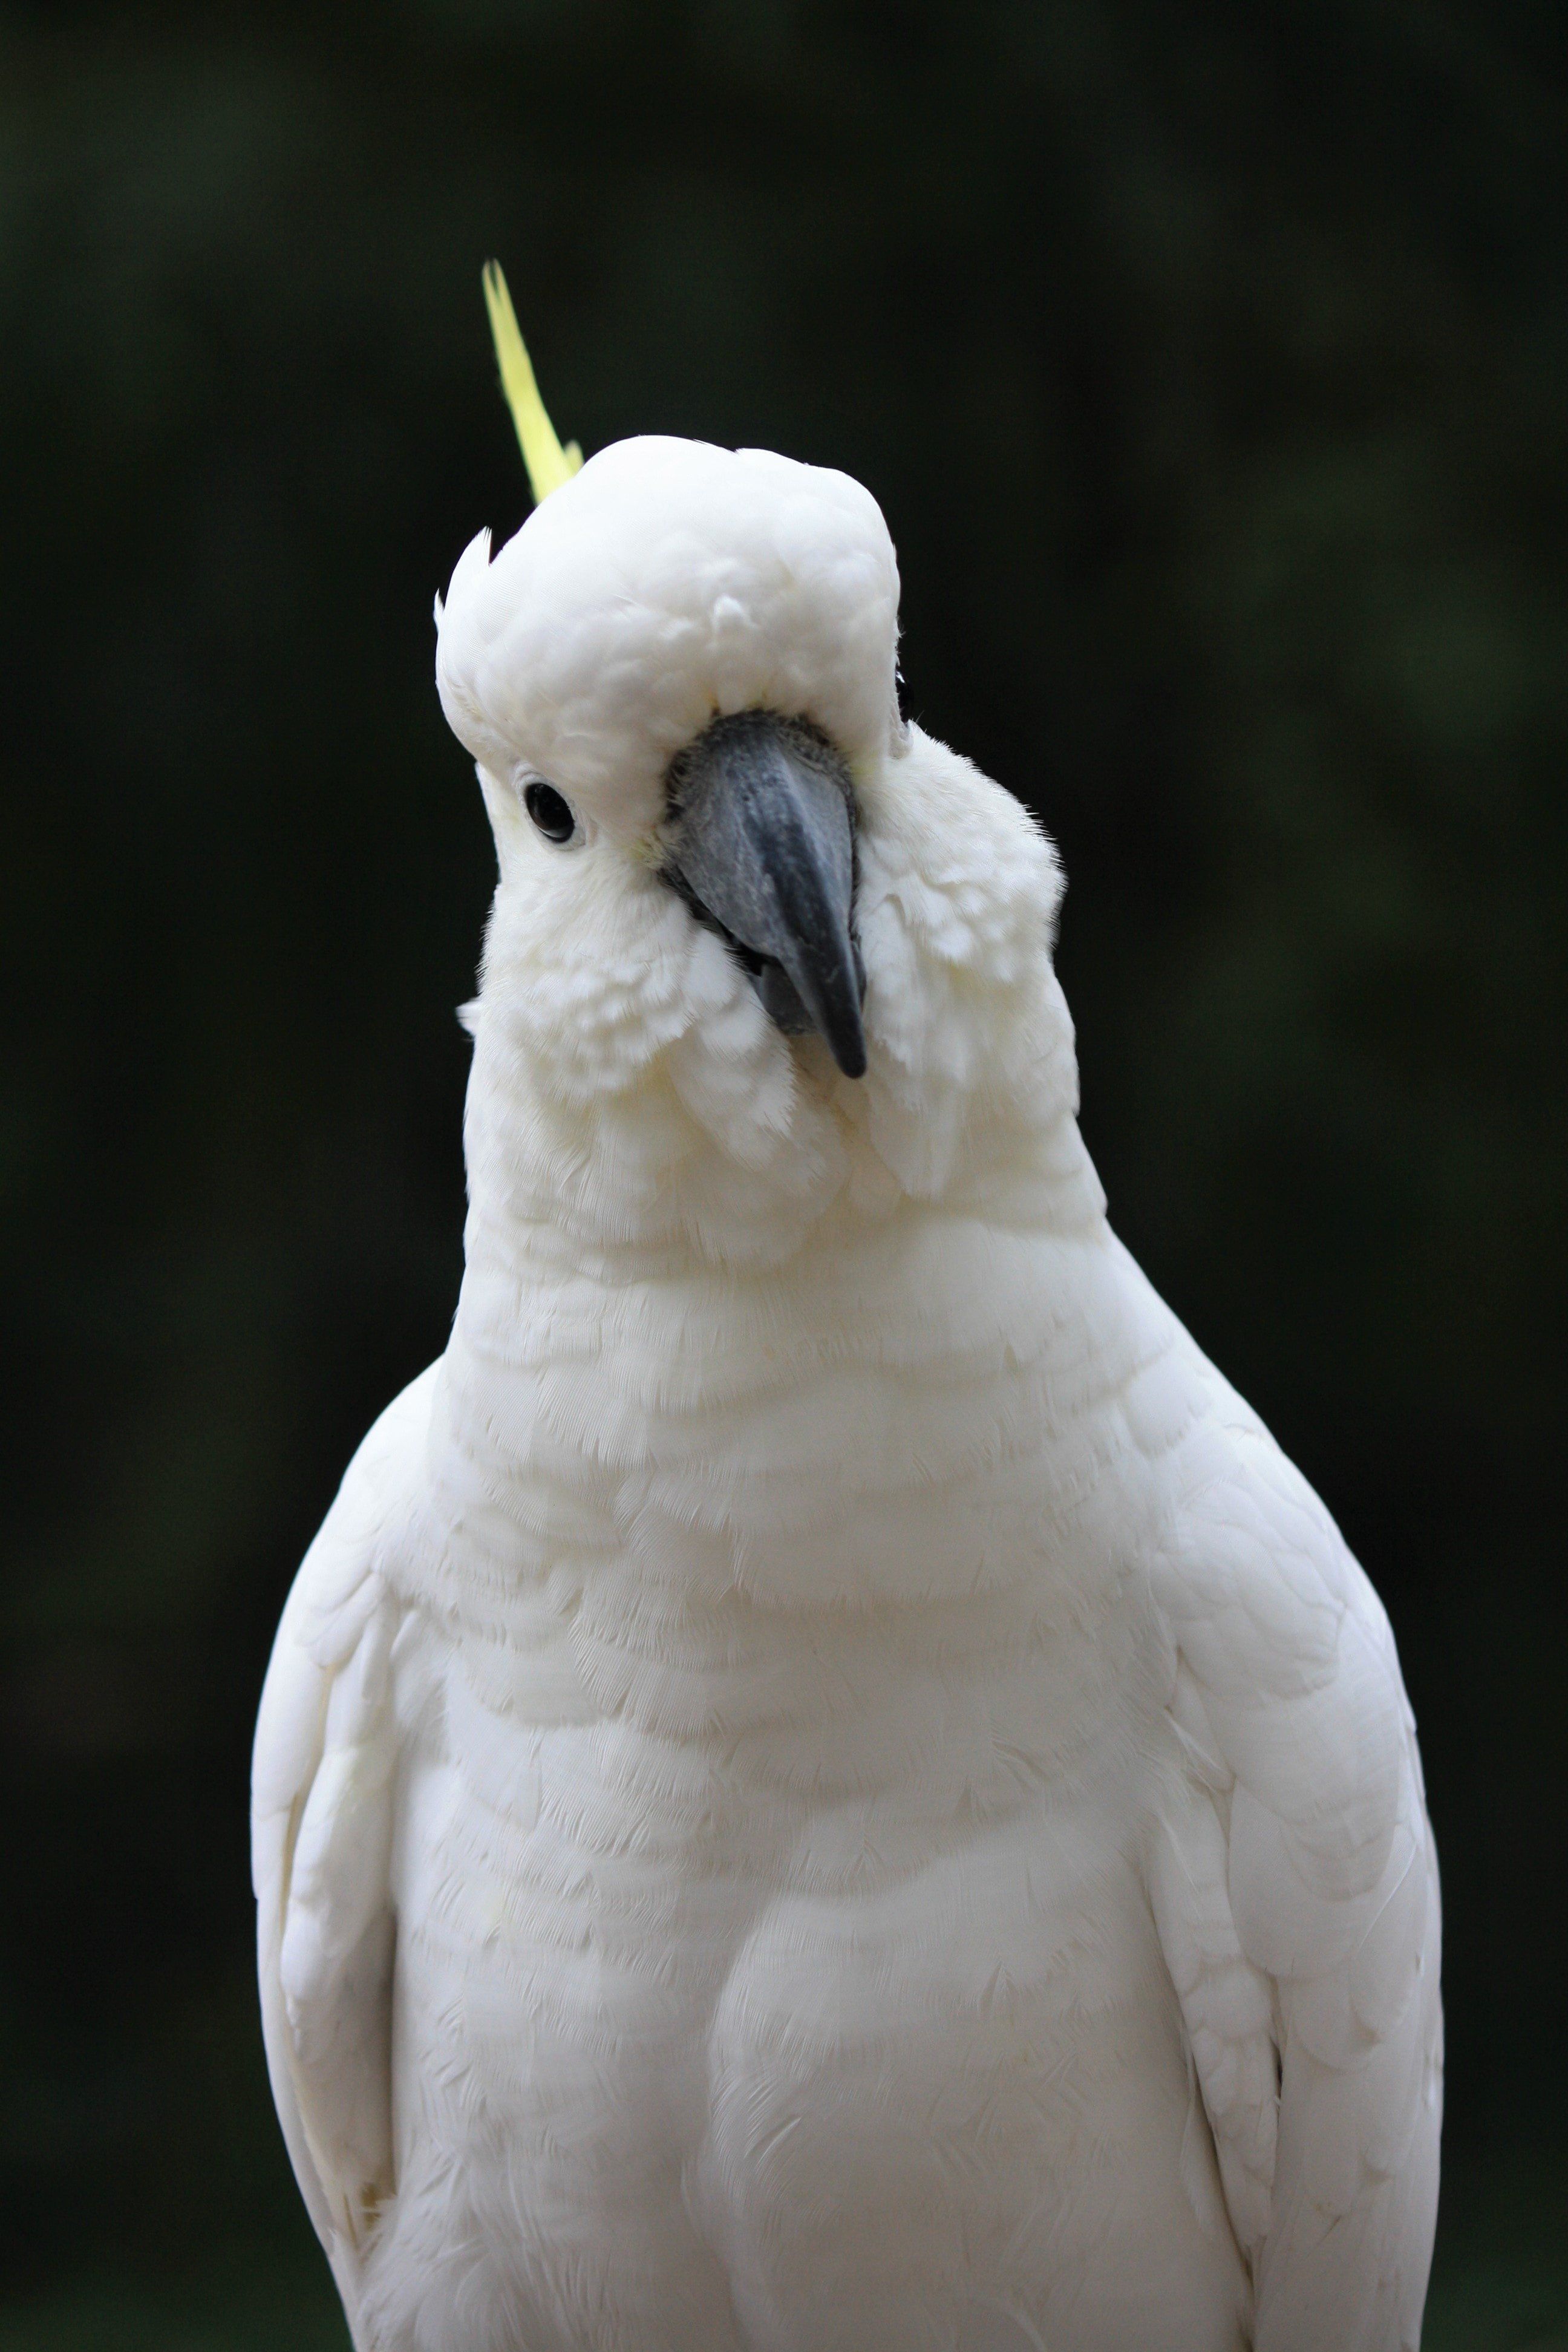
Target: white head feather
{"x": 667, "y": 582}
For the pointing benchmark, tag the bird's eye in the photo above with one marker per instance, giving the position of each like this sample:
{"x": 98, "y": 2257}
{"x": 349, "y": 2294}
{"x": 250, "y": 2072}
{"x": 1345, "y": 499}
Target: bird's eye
{"x": 550, "y": 812}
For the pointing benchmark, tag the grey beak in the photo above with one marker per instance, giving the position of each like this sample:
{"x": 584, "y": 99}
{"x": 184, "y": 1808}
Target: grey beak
{"x": 762, "y": 845}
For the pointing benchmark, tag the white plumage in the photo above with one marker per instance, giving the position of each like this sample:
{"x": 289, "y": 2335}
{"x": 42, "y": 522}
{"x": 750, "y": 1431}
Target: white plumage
{"x": 825, "y": 1787}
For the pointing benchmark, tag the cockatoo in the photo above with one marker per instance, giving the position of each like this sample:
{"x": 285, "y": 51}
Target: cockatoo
{"x": 824, "y": 1786}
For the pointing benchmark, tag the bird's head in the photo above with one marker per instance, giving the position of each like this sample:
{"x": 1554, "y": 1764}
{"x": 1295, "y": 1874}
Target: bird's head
{"x": 757, "y": 945}
{"x": 671, "y": 678}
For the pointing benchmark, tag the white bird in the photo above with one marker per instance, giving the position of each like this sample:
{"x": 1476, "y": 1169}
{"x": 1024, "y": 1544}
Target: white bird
{"x": 825, "y": 1787}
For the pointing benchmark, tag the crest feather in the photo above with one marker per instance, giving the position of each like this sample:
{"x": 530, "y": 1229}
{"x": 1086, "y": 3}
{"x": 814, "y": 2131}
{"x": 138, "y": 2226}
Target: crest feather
{"x": 549, "y": 465}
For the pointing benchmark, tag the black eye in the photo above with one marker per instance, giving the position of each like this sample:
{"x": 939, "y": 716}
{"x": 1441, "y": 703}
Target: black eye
{"x": 550, "y": 812}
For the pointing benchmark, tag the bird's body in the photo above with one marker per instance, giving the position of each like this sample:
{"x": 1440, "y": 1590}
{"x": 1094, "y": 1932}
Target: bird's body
{"x": 825, "y": 1784}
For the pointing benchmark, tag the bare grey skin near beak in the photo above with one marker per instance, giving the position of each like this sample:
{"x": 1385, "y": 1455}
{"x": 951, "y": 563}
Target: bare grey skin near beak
{"x": 760, "y": 844}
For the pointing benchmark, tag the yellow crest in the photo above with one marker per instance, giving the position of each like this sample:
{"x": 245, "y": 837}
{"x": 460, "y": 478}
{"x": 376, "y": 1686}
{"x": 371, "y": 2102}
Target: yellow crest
{"x": 549, "y": 465}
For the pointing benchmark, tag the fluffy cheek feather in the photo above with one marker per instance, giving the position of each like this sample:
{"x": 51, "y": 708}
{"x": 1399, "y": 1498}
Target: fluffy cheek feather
{"x": 627, "y": 1085}
{"x": 956, "y": 908}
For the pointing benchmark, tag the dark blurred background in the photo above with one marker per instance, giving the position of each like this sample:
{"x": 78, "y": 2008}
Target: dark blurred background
{"x": 1210, "y": 363}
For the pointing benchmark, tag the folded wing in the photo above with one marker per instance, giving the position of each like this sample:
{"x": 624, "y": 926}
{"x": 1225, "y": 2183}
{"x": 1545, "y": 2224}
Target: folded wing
{"x": 1295, "y": 1887}
{"x": 321, "y": 1821}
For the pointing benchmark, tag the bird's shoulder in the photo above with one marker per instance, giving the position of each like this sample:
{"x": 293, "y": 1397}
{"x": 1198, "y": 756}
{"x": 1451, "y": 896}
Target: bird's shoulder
{"x": 1284, "y": 1668}
{"x": 341, "y": 1584}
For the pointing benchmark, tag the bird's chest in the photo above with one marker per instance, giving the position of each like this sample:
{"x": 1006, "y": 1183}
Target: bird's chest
{"x": 761, "y": 2061}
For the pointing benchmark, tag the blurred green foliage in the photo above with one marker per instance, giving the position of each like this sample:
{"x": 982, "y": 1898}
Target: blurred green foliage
{"x": 1210, "y": 362}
